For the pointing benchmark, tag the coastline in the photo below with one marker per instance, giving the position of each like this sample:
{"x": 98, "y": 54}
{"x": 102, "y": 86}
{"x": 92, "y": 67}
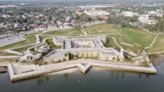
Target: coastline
{"x": 18, "y": 72}
{"x": 73, "y": 70}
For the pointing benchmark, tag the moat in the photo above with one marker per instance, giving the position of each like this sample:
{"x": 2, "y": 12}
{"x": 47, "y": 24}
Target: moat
{"x": 93, "y": 81}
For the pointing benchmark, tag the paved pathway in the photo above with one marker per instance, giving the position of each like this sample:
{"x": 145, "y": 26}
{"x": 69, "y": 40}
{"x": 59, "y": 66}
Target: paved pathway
{"x": 152, "y": 43}
{"x": 8, "y": 57}
{"x": 12, "y": 52}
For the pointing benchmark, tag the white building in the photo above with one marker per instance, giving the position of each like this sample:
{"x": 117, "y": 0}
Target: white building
{"x": 6, "y": 16}
{"x": 8, "y": 6}
{"x": 95, "y": 13}
{"x": 129, "y": 14}
{"x": 155, "y": 13}
{"x": 145, "y": 19}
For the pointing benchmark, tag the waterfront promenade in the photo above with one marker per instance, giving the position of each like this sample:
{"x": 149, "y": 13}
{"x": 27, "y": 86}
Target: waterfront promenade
{"x": 19, "y": 72}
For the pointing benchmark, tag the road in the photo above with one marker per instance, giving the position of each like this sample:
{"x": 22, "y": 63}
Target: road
{"x": 11, "y": 40}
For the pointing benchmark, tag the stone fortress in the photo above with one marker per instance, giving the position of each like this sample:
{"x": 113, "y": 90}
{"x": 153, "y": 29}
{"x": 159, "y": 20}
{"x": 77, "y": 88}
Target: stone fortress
{"x": 80, "y": 47}
{"x": 80, "y": 53}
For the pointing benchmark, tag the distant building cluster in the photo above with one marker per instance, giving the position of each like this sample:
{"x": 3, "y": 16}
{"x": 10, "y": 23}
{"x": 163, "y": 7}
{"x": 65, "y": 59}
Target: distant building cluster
{"x": 96, "y": 13}
{"x": 129, "y": 14}
{"x": 92, "y": 13}
{"x": 16, "y": 19}
{"x": 146, "y": 18}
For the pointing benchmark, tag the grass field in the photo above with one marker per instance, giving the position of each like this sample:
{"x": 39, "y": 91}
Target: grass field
{"x": 51, "y": 44}
{"x": 129, "y": 35}
{"x": 138, "y": 38}
{"x": 69, "y": 32}
{"x": 110, "y": 43}
{"x": 22, "y": 48}
{"x": 5, "y": 54}
{"x": 158, "y": 45}
{"x": 30, "y": 39}
{"x": 102, "y": 29}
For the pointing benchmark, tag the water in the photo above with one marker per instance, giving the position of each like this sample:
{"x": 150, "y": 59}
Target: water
{"x": 93, "y": 81}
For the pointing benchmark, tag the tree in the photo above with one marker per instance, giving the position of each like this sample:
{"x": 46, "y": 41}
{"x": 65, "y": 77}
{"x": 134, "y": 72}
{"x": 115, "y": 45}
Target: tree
{"x": 160, "y": 25}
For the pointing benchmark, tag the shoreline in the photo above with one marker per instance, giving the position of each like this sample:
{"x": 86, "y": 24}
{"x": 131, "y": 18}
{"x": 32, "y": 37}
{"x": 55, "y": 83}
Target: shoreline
{"x": 73, "y": 70}
{"x": 3, "y": 69}
{"x": 18, "y": 72}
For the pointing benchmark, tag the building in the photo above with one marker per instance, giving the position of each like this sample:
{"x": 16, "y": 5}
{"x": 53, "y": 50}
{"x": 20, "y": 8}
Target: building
{"x": 97, "y": 14}
{"x": 155, "y": 13}
{"x": 79, "y": 47}
{"x": 129, "y": 14}
{"x": 146, "y": 20}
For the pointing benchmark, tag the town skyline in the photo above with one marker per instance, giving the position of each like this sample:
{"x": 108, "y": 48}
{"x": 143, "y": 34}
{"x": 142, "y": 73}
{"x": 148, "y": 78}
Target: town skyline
{"x": 105, "y": 1}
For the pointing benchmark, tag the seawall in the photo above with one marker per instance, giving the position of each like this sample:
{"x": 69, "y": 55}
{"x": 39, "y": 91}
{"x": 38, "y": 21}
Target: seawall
{"x": 16, "y": 73}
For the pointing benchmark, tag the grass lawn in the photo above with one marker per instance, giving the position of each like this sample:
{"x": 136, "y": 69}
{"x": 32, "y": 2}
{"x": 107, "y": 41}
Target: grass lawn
{"x": 51, "y": 44}
{"x": 110, "y": 43}
{"x": 69, "y": 32}
{"x": 22, "y": 48}
{"x": 144, "y": 64}
{"x": 128, "y": 35}
{"x": 158, "y": 45}
{"x": 5, "y": 54}
{"x": 140, "y": 39}
{"x": 102, "y": 29}
{"x": 30, "y": 39}
{"x": 44, "y": 36}
{"x": 136, "y": 37}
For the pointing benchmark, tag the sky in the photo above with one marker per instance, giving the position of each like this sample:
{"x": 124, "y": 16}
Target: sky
{"x": 83, "y": 0}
